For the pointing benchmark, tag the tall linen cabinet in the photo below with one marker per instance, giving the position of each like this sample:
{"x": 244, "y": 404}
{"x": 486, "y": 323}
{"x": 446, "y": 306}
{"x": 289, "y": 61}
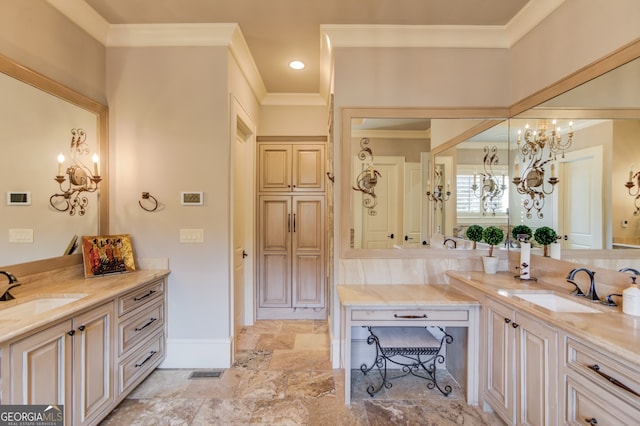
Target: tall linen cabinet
{"x": 291, "y": 229}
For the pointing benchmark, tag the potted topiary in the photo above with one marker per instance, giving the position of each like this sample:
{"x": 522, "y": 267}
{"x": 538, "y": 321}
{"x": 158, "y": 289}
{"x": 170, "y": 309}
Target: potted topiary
{"x": 493, "y": 236}
{"x": 520, "y": 230}
{"x": 545, "y": 236}
{"x": 474, "y": 233}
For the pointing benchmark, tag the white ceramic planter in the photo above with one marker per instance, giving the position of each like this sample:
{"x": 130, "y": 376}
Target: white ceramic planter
{"x": 490, "y": 264}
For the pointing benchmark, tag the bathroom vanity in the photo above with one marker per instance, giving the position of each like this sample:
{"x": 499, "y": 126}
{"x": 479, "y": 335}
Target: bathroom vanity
{"x": 547, "y": 357}
{"x": 81, "y": 343}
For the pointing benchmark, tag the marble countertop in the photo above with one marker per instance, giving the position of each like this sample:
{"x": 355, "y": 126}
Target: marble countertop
{"x": 405, "y": 295}
{"x": 611, "y": 330}
{"x": 94, "y": 291}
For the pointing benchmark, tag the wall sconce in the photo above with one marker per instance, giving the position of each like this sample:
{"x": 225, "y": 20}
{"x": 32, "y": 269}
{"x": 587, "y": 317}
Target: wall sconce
{"x": 630, "y": 185}
{"x": 438, "y": 196}
{"x": 489, "y": 191}
{"x": 367, "y": 179}
{"x": 531, "y": 182}
{"x": 81, "y": 179}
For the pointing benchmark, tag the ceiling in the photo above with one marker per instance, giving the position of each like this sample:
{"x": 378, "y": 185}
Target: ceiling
{"x": 278, "y": 31}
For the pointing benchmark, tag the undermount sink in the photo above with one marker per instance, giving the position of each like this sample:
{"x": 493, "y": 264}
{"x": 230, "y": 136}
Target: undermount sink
{"x": 36, "y": 306}
{"x": 555, "y": 303}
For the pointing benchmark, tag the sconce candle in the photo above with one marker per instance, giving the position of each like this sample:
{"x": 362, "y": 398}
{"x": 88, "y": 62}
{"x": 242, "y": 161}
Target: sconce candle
{"x": 60, "y": 163}
{"x": 96, "y": 161}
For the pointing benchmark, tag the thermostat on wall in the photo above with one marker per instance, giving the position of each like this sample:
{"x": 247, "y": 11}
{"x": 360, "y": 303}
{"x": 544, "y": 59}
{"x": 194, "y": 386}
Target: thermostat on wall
{"x": 192, "y": 199}
{"x": 18, "y": 198}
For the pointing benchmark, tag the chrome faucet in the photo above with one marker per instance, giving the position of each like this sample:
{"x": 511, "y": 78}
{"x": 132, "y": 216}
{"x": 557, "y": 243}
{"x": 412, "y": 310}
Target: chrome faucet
{"x": 591, "y": 294}
{"x": 4, "y": 288}
{"x": 449, "y": 240}
{"x": 632, "y": 270}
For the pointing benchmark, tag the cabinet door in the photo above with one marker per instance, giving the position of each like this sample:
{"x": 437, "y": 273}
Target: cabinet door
{"x": 499, "y": 381}
{"x": 93, "y": 382}
{"x": 308, "y": 168}
{"x": 41, "y": 368}
{"x": 275, "y": 168}
{"x": 276, "y": 224}
{"x": 308, "y": 251}
{"x": 536, "y": 364}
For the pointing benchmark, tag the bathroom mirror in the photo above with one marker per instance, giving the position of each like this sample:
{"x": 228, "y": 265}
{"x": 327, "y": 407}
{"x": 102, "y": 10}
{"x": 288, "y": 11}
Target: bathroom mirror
{"x": 36, "y": 120}
{"x": 389, "y": 161}
{"x": 589, "y": 207}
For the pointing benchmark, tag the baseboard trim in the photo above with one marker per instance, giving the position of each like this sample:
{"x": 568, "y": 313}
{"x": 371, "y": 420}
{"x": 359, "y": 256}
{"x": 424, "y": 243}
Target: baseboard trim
{"x": 198, "y": 353}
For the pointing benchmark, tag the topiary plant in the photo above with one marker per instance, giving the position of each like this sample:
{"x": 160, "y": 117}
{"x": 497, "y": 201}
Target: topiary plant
{"x": 545, "y": 236}
{"x": 521, "y": 230}
{"x": 474, "y": 233}
{"x": 493, "y": 236}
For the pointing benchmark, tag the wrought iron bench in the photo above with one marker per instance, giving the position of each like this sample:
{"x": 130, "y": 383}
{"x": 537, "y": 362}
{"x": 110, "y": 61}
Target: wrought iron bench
{"x": 414, "y": 349}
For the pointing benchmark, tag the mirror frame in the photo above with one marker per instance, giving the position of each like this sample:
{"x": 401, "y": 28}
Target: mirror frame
{"x": 488, "y": 117}
{"x": 52, "y": 87}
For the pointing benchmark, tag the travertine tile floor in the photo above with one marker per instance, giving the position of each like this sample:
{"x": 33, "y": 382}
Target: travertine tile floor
{"x": 282, "y": 376}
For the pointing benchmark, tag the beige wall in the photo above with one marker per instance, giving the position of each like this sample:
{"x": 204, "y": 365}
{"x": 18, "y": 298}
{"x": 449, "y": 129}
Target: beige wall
{"x": 37, "y": 36}
{"x": 293, "y": 120}
{"x": 626, "y": 153}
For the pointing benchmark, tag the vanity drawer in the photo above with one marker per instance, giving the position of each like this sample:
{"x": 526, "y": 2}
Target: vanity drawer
{"x": 141, "y": 362}
{"x": 610, "y": 375}
{"x": 138, "y": 297}
{"x": 409, "y": 315}
{"x": 140, "y": 326}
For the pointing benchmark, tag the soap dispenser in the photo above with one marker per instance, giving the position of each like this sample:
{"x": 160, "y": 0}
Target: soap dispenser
{"x": 631, "y": 299}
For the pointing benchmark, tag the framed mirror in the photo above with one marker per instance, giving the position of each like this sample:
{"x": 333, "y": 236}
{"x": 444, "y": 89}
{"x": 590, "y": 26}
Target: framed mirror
{"x": 36, "y": 124}
{"x": 591, "y": 204}
{"x": 390, "y": 199}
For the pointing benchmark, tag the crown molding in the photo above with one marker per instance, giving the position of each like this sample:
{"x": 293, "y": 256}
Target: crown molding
{"x": 293, "y": 99}
{"x": 85, "y": 17}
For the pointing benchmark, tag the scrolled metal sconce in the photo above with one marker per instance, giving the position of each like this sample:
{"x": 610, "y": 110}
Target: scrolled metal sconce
{"x": 489, "y": 191}
{"x": 438, "y": 196}
{"x": 367, "y": 179}
{"x": 81, "y": 179}
{"x": 532, "y": 181}
{"x": 147, "y": 196}
{"x": 634, "y": 181}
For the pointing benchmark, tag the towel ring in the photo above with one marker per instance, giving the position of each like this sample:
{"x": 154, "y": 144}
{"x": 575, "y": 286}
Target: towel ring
{"x": 147, "y": 196}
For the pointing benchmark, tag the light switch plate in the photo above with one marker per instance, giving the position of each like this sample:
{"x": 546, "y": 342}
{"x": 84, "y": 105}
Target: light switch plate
{"x": 191, "y": 235}
{"x": 20, "y": 235}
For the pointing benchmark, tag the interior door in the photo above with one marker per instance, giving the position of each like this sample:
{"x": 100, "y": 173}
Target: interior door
{"x": 580, "y": 199}
{"x": 381, "y": 226}
{"x": 412, "y": 204}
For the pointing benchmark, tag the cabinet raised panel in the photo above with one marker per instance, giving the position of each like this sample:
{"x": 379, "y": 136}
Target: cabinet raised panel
{"x": 291, "y": 167}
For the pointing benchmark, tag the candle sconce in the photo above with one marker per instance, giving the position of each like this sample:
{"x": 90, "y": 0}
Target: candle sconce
{"x": 489, "y": 191}
{"x": 367, "y": 179}
{"x": 438, "y": 196}
{"x": 81, "y": 180}
{"x": 531, "y": 145}
{"x": 634, "y": 182}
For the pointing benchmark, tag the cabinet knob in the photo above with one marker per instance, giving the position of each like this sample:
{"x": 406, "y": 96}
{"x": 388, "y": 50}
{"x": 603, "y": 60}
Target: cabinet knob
{"x": 515, "y": 325}
{"x": 507, "y": 320}
{"x": 82, "y": 327}
{"x": 592, "y": 421}
{"x": 71, "y": 332}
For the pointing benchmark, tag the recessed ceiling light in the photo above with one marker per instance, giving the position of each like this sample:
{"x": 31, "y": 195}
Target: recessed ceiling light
{"x": 296, "y": 65}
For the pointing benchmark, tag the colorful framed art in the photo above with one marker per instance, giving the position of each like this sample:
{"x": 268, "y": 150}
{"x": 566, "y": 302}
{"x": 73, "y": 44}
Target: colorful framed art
{"x": 108, "y": 254}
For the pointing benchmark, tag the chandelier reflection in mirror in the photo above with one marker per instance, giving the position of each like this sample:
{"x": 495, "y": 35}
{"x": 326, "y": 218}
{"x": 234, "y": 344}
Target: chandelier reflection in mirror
{"x": 367, "y": 179}
{"x": 634, "y": 182}
{"x": 490, "y": 191}
{"x": 438, "y": 196}
{"x": 72, "y": 197}
{"x": 539, "y": 148}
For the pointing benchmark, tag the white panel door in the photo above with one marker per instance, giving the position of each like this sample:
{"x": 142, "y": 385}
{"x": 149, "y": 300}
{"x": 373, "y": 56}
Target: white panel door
{"x": 412, "y": 204}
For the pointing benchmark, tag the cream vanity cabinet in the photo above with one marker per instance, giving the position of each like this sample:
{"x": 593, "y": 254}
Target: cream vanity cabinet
{"x": 521, "y": 366}
{"x": 90, "y": 361}
{"x": 70, "y": 363}
{"x": 291, "y": 230}
{"x": 598, "y": 389}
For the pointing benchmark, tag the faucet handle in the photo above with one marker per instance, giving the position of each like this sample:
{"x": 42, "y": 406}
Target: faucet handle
{"x": 609, "y": 299}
